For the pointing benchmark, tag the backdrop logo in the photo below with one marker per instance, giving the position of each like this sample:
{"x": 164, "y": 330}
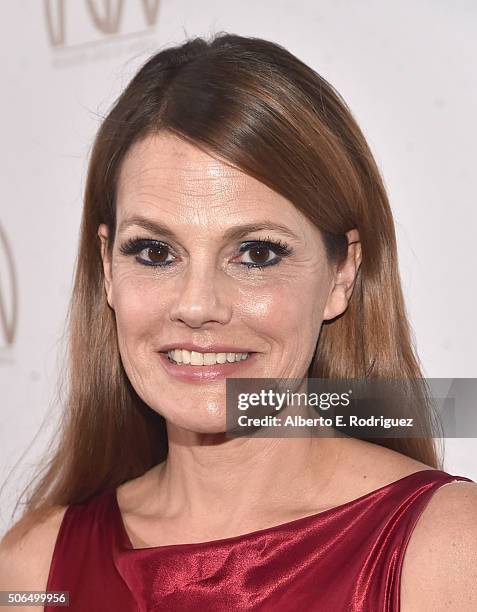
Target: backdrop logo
{"x": 8, "y": 294}
{"x": 70, "y": 24}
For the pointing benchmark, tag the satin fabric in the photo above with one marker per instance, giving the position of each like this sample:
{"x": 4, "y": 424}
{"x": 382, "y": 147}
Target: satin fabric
{"x": 348, "y": 558}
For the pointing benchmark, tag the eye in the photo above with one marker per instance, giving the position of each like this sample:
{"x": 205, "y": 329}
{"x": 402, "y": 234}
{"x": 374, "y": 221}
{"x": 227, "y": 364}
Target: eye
{"x": 261, "y": 253}
{"x": 264, "y": 253}
{"x": 148, "y": 252}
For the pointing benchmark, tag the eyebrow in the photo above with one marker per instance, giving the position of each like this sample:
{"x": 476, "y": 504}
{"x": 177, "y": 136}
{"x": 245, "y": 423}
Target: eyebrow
{"x": 233, "y": 233}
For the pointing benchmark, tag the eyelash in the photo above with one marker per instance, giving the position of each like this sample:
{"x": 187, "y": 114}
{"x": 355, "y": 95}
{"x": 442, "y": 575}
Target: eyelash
{"x": 133, "y": 246}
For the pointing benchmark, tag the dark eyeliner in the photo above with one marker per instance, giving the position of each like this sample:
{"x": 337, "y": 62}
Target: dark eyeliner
{"x": 133, "y": 246}
{"x": 279, "y": 247}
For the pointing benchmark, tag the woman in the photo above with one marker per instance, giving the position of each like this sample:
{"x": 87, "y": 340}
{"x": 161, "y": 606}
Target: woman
{"x": 235, "y": 225}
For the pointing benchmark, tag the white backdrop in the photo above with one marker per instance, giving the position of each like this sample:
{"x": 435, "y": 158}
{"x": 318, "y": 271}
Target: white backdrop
{"x": 406, "y": 68}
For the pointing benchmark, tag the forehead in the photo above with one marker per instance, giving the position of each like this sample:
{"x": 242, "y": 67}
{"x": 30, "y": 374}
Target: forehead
{"x": 165, "y": 175}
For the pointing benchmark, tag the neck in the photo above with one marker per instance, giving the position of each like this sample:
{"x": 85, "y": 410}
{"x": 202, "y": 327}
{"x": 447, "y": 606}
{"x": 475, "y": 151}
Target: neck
{"x": 211, "y": 478}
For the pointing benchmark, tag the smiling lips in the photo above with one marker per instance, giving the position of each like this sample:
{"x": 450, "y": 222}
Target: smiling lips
{"x": 204, "y": 367}
{"x": 192, "y": 362}
{"x": 195, "y": 358}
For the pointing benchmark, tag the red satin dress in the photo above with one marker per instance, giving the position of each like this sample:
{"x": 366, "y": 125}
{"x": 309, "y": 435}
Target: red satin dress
{"x": 347, "y": 558}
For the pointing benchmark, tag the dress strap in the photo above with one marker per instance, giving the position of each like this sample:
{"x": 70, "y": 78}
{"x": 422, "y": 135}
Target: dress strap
{"x": 410, "y": 513}
{"x": 82, "y": 561}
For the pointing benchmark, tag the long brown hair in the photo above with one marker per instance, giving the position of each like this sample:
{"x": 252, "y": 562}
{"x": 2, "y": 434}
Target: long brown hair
{"x": 256, "y": 106}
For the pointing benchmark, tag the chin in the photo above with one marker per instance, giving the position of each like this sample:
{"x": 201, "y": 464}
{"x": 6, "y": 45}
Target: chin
{"x": 199, "y": 421}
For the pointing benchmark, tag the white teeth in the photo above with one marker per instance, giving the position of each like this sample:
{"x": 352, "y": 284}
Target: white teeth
{"x": 195, "y": 358}
{"x": 210, "y": 359}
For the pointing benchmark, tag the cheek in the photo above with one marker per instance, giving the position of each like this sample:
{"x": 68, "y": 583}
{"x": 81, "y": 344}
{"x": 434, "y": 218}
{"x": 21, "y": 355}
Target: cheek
{"x": 137, "y": 303}
{"x": 284, "y": 306}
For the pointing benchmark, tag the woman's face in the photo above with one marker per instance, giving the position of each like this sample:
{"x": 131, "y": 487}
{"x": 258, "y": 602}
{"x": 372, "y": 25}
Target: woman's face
{"x": 186, "y": 269}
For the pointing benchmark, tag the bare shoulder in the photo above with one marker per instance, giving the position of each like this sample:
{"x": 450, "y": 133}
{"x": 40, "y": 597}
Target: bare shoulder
{"x": 25, "y": 556}
{"x": 439, "y": 570}
{"x": 371, "y": 466}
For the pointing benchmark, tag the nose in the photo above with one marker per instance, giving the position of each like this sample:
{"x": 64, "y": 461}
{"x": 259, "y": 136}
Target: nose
{"x": 201, "y": 298}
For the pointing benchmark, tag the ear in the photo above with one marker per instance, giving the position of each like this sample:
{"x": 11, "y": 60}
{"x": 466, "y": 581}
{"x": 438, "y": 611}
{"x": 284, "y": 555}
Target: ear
{"x": 344, "y": 278}
{"x": 103, "y": 233}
